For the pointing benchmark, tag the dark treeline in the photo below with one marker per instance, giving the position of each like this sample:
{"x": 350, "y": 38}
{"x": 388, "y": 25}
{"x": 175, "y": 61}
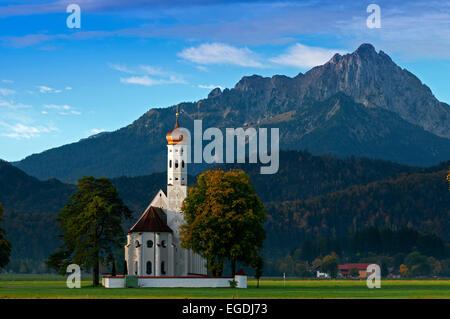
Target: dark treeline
{"x": 413, "y": 252}
{"x": 376, "y": 241}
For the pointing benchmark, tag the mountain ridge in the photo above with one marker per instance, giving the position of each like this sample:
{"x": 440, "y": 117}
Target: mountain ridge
{"x": 415, "y": 132}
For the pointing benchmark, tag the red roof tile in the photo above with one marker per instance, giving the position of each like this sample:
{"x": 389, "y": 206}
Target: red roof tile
{"x": 241, "y": 272}
{"x": 360, "y": 266}
{"x": 152, "y": 220}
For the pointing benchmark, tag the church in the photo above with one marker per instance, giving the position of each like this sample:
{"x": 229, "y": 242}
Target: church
{"x": 153, "y": 243}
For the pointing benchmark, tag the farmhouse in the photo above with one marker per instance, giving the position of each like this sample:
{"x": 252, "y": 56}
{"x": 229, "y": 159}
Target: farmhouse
{"x": 345, "y": 270}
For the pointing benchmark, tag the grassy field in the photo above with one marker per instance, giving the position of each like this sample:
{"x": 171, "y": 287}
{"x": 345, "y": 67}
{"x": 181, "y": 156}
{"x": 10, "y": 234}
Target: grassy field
{"x": 51, "y": 286}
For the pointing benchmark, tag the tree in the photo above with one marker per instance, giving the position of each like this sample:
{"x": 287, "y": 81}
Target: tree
{"x": 404, "y": 271}
{"x": 5, "y": 246}
{"x": 91, "y": 226}
{"x": 224, "y": 219}
{"x": 330, "y": 264}
{"x": 259, "y": 265}
{"x": 448, "y": 178}
{"x": 354, "y": 272}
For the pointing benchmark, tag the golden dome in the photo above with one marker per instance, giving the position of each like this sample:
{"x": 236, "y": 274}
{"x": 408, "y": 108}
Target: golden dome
{"x": 174, "y": 136}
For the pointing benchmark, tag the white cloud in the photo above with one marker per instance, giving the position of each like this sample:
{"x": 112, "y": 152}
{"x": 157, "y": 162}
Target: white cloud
{"x": 151, "y": 70}
{"x": 210, "y": 87}
{"x": 8, "y": 81}
{"x": 20, "y": 130}
{"x": 13, "y": 105}
{"x": 220, "y": 53}
{"x": 46, "y": 89}
{"x": 120, "y": 68}
{"x": 57, "y": 107}
{"x": 147, "y": 81}
{"x": 5, "y": 92}
{"x": 68, "y": 88}
{"x": 303, "y": 56}
{"x": 141, "y": 75}
{"x": 97, "y": 131}
{"x": 63, "y": 109}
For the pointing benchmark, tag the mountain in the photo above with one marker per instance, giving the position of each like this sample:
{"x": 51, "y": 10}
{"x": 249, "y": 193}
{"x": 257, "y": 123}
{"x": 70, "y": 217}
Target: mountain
{"x": 418, "y": 200}
{"x": 31, "y": 205}
{"x": 357, "y": 104}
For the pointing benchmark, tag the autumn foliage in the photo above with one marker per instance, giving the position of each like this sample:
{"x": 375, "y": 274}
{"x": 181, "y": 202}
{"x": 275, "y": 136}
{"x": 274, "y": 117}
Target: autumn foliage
{"x": 224, "y": 220}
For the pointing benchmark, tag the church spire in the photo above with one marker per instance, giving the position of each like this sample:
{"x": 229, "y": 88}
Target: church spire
{"x": 177, "y": 114}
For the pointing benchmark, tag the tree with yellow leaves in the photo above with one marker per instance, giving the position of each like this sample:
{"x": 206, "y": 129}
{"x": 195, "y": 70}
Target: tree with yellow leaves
{"x": 224, "y": 220}
{"x": 448, "y": 178}
{"x": 404, "y": 271}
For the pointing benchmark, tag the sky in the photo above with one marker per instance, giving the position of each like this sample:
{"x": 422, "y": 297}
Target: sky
{"x": 60, "y": 84}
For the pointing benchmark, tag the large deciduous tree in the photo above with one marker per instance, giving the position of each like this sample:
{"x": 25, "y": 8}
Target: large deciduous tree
{"x": 91, "y": 226}
{"x": 224, "y": 220}
{"x": 5, "y": 246}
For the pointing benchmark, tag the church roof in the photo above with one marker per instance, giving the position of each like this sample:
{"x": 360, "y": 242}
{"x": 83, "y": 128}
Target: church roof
{"x": 152, "y": 220}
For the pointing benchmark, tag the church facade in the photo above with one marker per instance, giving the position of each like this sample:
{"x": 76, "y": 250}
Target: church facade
{"x": 153, "y": 243}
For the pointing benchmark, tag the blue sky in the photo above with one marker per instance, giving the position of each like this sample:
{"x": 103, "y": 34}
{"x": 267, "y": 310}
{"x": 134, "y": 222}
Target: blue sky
{"x": 58, "y": 85}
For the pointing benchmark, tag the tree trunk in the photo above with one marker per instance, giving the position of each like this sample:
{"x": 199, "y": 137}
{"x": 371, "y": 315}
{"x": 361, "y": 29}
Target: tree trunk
{"x": 96, "y": 271}
{"x": 233, "y": 267}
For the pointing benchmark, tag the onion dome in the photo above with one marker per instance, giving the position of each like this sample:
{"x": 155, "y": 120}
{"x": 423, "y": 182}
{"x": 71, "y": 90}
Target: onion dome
{"x": 174, "y": 136}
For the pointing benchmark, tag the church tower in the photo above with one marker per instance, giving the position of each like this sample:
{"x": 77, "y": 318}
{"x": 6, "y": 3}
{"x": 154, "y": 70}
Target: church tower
{"x": 176, "y": 167}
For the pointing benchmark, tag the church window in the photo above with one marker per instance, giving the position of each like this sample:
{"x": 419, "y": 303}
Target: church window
{"x": 137, "y": 243}
{"x": 149, "y": 267}
{"x": 163, "y": 267}
{"x": 163, "y": 244}
{"x": 176, "y": 164}
{"x": 176, "y": 178}
{"x": 182, "y": 163}
{"x": 149, "y": 243}
{"x": 170, "y": 164}
{"x": 136, "y": 268}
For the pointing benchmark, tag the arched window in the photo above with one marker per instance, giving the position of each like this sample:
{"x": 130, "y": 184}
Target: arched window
{"x": 176, "y": 163}
{"x": 182, "y": 163}
{"x": 136, "y": 268}
{"x": 149, "y": 243}
{"x": 136, "y": 243}
{"x": 163, "y": 268}
{"x": 149, "y": 267}
{"x": 163, "y": 244}
{"x": 170, "y": 164}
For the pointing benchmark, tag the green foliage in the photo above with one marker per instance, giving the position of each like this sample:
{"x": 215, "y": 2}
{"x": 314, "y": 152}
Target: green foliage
{"x": 330, "y": 264}
{"x": 233, "y": 283}
{"x": 91, "y": 226}
{"x": 224, "y": 219}
{"x": 5, "y": 246}
{"x": 354, "y": 272}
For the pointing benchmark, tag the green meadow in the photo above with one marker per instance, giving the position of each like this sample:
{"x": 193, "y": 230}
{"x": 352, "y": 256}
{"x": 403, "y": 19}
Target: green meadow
{"x": 51, "y": 286}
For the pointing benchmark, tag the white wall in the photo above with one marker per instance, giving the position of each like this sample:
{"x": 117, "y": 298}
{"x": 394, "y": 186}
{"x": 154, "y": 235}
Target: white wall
{"x": 184, "y": 282}
{"x": 172, "y": 282}
{"x": 116, "y": 282}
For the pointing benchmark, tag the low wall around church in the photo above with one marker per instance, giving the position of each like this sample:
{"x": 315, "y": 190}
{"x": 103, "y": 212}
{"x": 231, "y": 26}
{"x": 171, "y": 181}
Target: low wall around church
{"x": 176, "y": 282}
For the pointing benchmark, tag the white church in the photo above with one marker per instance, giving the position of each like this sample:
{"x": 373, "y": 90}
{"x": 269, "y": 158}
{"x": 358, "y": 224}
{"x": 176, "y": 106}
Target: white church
{"x": 153, "y": 243}
{"x": 153, "y": 251}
